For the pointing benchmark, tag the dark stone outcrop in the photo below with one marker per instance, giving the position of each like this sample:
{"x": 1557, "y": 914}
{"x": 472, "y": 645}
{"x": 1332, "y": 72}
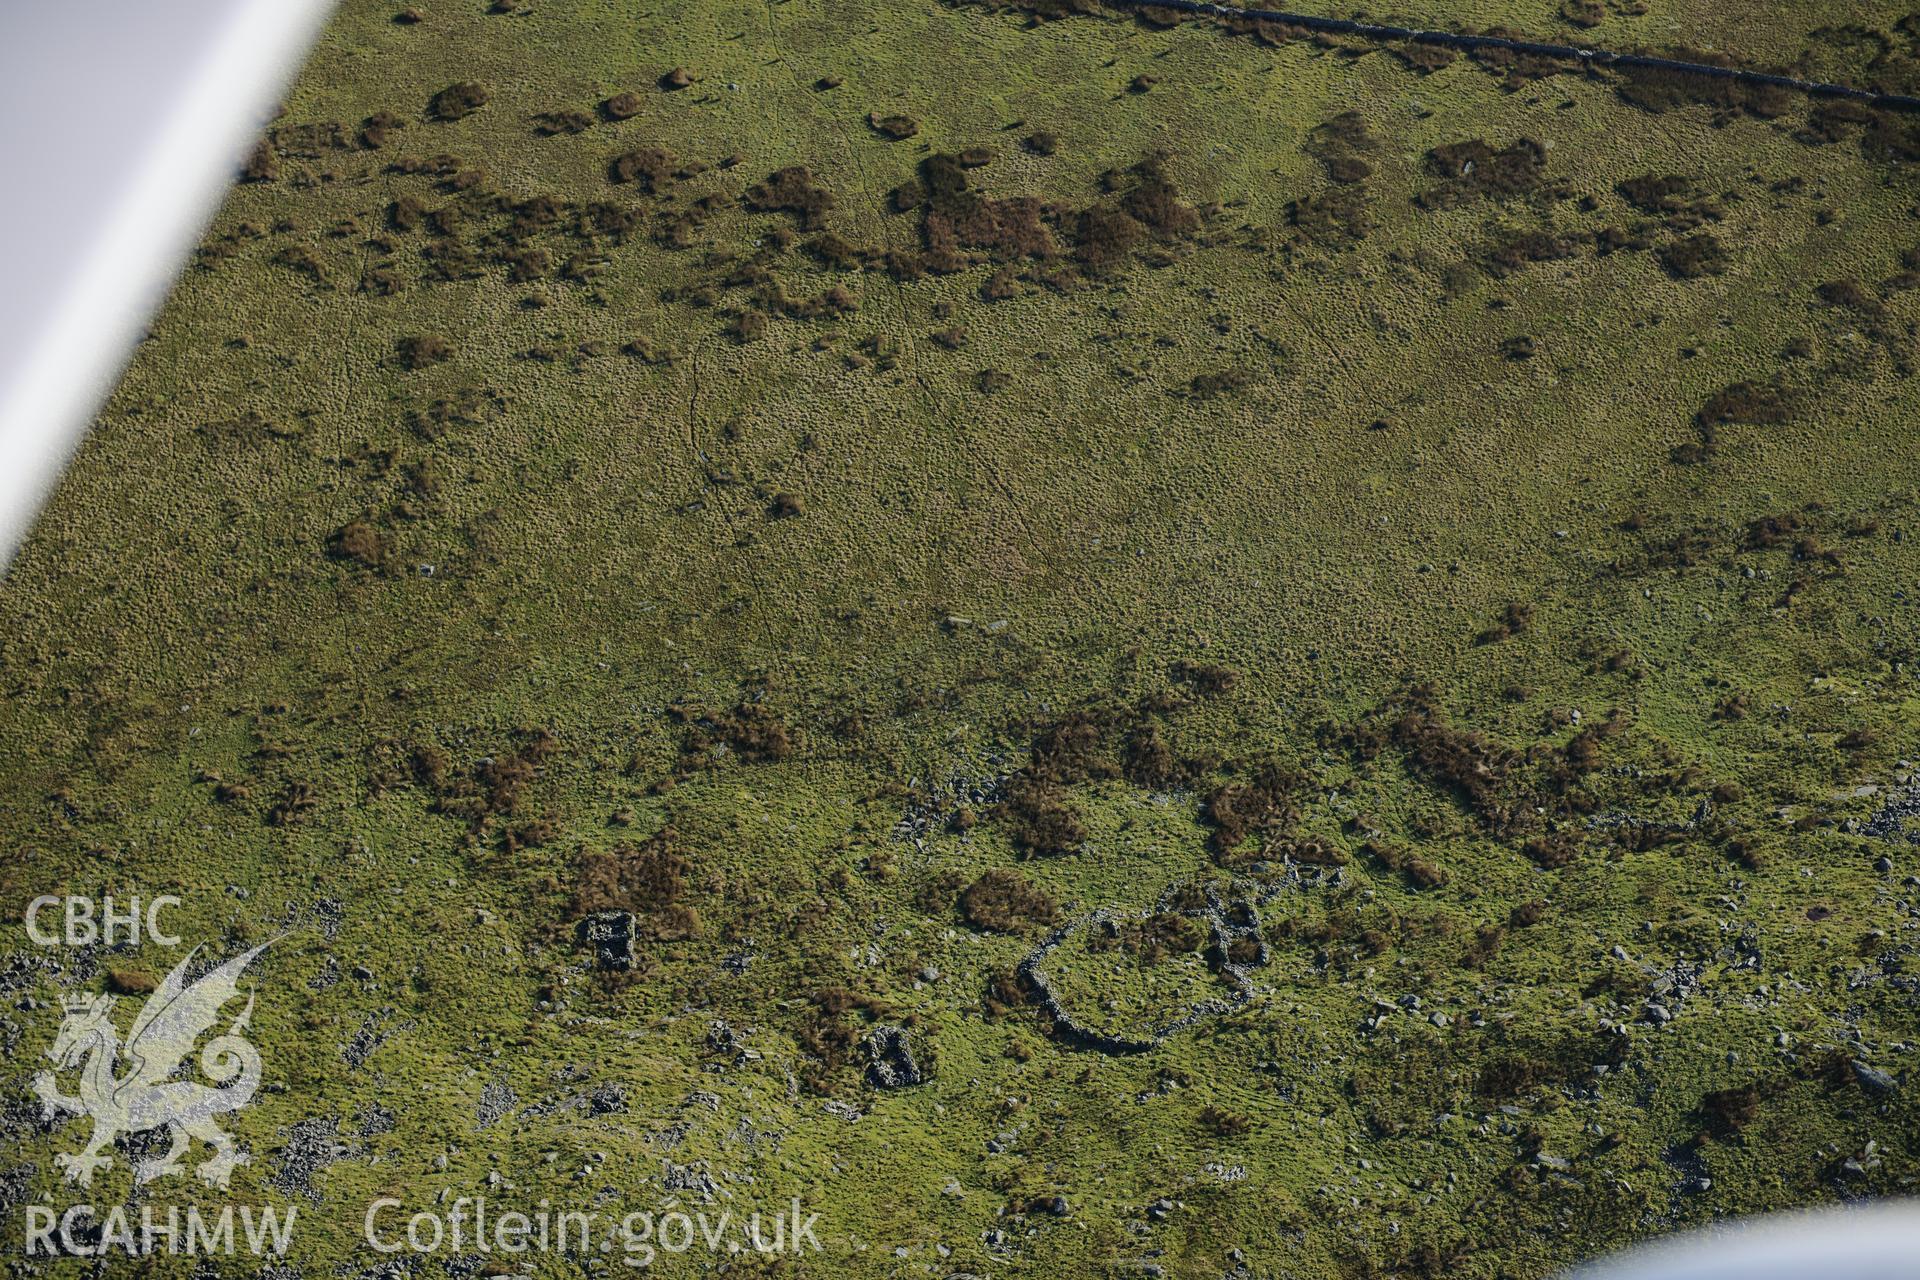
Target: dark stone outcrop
{"x": 892, "y": 1065}
{"x": 610, "y": 934}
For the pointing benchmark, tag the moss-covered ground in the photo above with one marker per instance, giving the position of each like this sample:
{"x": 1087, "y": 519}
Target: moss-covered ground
{"x": 1409, "y": 566}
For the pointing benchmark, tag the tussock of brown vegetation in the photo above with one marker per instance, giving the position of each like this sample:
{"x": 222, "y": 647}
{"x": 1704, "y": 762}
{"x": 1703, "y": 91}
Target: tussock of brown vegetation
{"x": 1004, "y": 901}
{"x": 1044, "y": 9}
{"x": 312, "y": 139}
{"x": 1657, "y": 89}
{"x": 1208, "y": 386}
{"x": 1271, "y": 34}
{"x": 752, "y": 732}
{"x": 1040, "y": 819}
{"x": 1308, "y": 851}
{"x": 1654, "y": 193}
{"x": 1420, "y": 872}
{"x": 834, "y": 1030}
{"x": 1516, "y": 68}
{"x": 648, "y": 879}
{"x": 294, "y": 806}
{"x": 1672, "y": 199}
{"x": 261, "y": 164}
{"x": 1474, "y": 168}
{"x": 358, "y": 542}
{"x": 1341, "y": 145}
{"x": 649, "y": 168}
{"x": 897, "y": 128}
{"x": 567, "y": 120}
{"x": 622, "y": 106}
{"x": 1209, "y": 679}
{"x": 459, "y": 100}
{"x": 1518, "y": 1067}
{"x": 1155, "y": 203}
{"x": 1424, "y": 58}
{"x": 1149, "y": 761}
{"x": 1104, "y": 238}
{"x": 1261, "y": 804}
{"x": 131, "y": 982}
{"x": 960, "y": 226}
{"x": 1334, "y": 218}
{"x": 300, "y": 258}
{"x": 1151, "y": 940}
{"x": 1751, "y": 403}
{"x": 1509, "y": 792}
{"x": 406, "y": 213}
{"x": 378, "y": 129}
{"x": 1514, "y": 250}
{"x": 494, "y": 788}
{"x": 1461, "y": 760}
{"x": 422, "y": 351}
{"x": 1583, "y": 13}
{"x": 1694, "y": 256}
{"x": 1728, "y": 1111}
{"x": 1849, "y": 295}
{"x": 958, "y": 218}
{"x": 1551, "y": 852}
{"x": 792, "y": 190}
{"x": 1514, "y": 619}
{"x": 1772, "y": 531}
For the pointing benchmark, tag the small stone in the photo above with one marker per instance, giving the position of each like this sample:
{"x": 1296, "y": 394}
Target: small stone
{"x": 1658, "y": 1014}
{"x": 1872, "y": 1079}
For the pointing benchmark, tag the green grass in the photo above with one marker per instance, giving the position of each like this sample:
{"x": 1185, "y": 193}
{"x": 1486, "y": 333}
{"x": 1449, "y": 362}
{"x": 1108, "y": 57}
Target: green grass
{"x": 602, "y": 551}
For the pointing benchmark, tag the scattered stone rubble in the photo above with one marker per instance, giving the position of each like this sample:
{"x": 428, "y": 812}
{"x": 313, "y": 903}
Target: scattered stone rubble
{"x": 610, "y": 934}
{"x": 1227, "y": 923}
{"x": 892, "y": 1065}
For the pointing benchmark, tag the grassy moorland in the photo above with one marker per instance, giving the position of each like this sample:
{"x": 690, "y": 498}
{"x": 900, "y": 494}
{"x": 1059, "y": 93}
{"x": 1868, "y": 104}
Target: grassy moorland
{"x": 1386, "y": 577}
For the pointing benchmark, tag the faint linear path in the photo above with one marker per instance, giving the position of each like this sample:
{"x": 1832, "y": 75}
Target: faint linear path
{"x": 1562, "y": 52}
{"x": 936, "y": 403}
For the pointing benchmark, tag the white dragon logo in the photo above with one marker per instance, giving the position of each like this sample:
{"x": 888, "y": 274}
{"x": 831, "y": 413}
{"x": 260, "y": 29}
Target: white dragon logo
{"x": 163, "y": 1034}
